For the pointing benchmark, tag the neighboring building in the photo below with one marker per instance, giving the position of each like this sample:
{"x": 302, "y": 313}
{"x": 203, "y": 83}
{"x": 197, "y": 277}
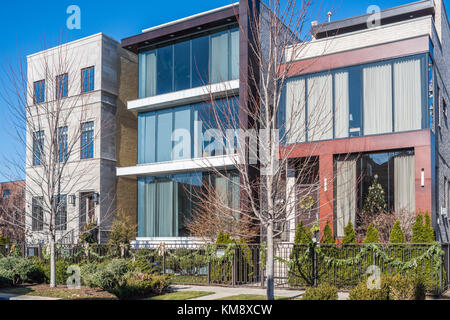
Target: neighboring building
{"x": 12, "y": 208}
{"x": 95, "y": 77}
{"x": 386, "y": 91}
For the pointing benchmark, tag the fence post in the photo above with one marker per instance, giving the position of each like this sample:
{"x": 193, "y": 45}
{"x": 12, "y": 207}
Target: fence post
{"x": 209, "y": 272}
{"x": 314, "y": 265}
{"x": 233, "y": 269}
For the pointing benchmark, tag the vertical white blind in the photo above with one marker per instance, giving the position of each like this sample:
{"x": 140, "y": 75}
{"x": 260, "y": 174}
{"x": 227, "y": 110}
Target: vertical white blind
{"x": 345, "y": 194}
{"x": 341, "y": 104}
{"x": 407, "y": 95}
{"x": 320, "y": 108}
{"x": 295, "y": 111}
{"x": 404, "y": 184}
{"x": 377, "y": 99}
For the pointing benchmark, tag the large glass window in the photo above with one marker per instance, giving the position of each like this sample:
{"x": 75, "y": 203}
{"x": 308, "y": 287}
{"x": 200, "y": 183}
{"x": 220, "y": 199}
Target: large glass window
{"x": 186, "y": 132}
{"x": 190, "y": 63}
{"x": 361, "y": 100}
{"x": 165, "y": 204}
{"x": 357, "y": 175}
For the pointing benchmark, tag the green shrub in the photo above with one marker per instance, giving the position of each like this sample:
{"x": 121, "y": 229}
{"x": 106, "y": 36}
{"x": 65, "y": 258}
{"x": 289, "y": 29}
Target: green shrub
{"x": 405, "y": 288}
{"x": 322, "y": 292}
{"x": 349, "y": 234}
{"x": 110, "y": 275}
{"x": 417, "y": 229}
{"x": 372, "y": 235}
{"x": 362, "y": 292}
{"x": 15, "y": 270}
{"x": 428, "y": 231}
{"x": 138, "y": 285}
{"x": 302, "y": 234}
{"x": 328, "y": 235}
{"x": 88, "y": 271}
{"x": 397, "y": 235}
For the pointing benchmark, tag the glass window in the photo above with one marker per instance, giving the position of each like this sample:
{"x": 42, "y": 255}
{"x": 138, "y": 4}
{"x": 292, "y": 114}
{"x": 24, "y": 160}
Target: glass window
{"x": 37, "y": 214}
{"x": 61, "y": 213}
{"x": 368, "y": 99}
{"x": 62, "y": 144}
{"x": 164, "y": 137}
{"x": 165, "y": 204}
{"x": 184, "y": 132}
{"x": 38, "y": 147}
{"x": 191, "y": 63}
{"x": 87, "y": 79}
{"x": 62, "y": 86}
{"x": 200, "y": 61}
{"x": 219, "y": 57}
{"x": 39, "y": 92}
{"x": 182, "y": 66}
{"x": 87, "y": 140}
{"x": 234, "y": 64}
{"x": 6, "y": 193}
{"x": 164, "y": 63}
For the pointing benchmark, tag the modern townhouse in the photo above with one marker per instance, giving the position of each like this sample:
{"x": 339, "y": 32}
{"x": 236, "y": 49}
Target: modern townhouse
{"x": 90, "y": 80}
{"x": 385, "y": 91}
{"x": 385, "y": 98}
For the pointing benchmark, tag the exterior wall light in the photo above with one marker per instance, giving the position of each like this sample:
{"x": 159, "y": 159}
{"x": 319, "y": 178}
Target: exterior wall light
{"x": 95, "y": 197}
{"x": 325, "y": 184}
{"x": 422, "y": 178}
{"x": 72, "y": 199}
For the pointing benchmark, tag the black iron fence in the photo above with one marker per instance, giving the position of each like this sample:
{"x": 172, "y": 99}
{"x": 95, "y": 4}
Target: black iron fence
{"x": 296, "y": 266}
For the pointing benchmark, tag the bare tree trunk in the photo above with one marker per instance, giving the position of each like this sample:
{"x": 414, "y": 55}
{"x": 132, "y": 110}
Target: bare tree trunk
{"x": 270, "y": 262}
{"x": 52, "y": 263}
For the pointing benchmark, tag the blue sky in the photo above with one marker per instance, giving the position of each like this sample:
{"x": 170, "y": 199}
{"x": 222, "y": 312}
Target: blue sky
{"x": 29, "y": 26}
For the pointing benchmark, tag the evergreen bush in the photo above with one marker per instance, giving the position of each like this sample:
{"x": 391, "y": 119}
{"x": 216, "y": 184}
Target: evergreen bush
{"x": 397, "y": 235}
{"x": 372, "y": 235}
{"x": 322, "y": 292}
{"x": 349, "y": 234}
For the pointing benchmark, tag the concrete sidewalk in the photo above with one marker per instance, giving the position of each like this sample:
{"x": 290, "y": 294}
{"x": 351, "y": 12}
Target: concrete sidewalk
{"x": 223, "y": 292}
{"x": 10, "y": 296}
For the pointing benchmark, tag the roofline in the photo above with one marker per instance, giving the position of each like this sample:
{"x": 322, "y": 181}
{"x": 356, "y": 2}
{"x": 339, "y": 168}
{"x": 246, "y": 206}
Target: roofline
{"x": 182, "y": 27}
{"x": 198, "y": 15}
{"x": 99, "y": 34}
{"x": 424, "y": 6}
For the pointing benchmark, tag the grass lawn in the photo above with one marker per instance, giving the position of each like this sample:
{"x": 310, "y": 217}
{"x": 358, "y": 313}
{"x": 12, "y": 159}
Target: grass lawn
{"x": 182, "y": 295}
{"x": 62, "y": 292}
{"x": 251, "y": 297}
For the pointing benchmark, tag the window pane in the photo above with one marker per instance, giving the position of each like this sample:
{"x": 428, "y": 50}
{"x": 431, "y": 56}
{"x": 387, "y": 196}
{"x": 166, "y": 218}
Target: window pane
{"x": 377, "y": 99}
{"x": 62, "y": 144}
{"x": 87, "y": 140}
{"x": 182, "y": 134}
{"x": 182, "y": 70}
{"x": 408, "y": 95}
{"x": 320, "y": 108}
{"x": 164, "y": 137}
{"x": 146, "y": 138}
{"x": 219, "y": 57}
{"x": 355, "y": 98}
{"x": 164, "y": 65}
{"x": 200, "y": 61}
{"x": 341, "y": 104}
{"x": 234, "y": 54}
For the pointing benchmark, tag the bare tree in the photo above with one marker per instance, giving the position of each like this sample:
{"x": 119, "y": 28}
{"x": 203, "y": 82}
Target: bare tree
{"x": 264, "y": 154}
{"x": 49, "y": 114}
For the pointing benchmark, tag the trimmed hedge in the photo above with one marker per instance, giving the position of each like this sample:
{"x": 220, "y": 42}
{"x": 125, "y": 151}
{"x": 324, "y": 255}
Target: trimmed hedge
{"x": 322, "y": 292}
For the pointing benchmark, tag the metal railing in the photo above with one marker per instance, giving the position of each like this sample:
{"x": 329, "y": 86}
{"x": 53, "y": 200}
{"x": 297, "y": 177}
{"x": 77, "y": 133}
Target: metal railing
{"x": 296, "y": 265}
